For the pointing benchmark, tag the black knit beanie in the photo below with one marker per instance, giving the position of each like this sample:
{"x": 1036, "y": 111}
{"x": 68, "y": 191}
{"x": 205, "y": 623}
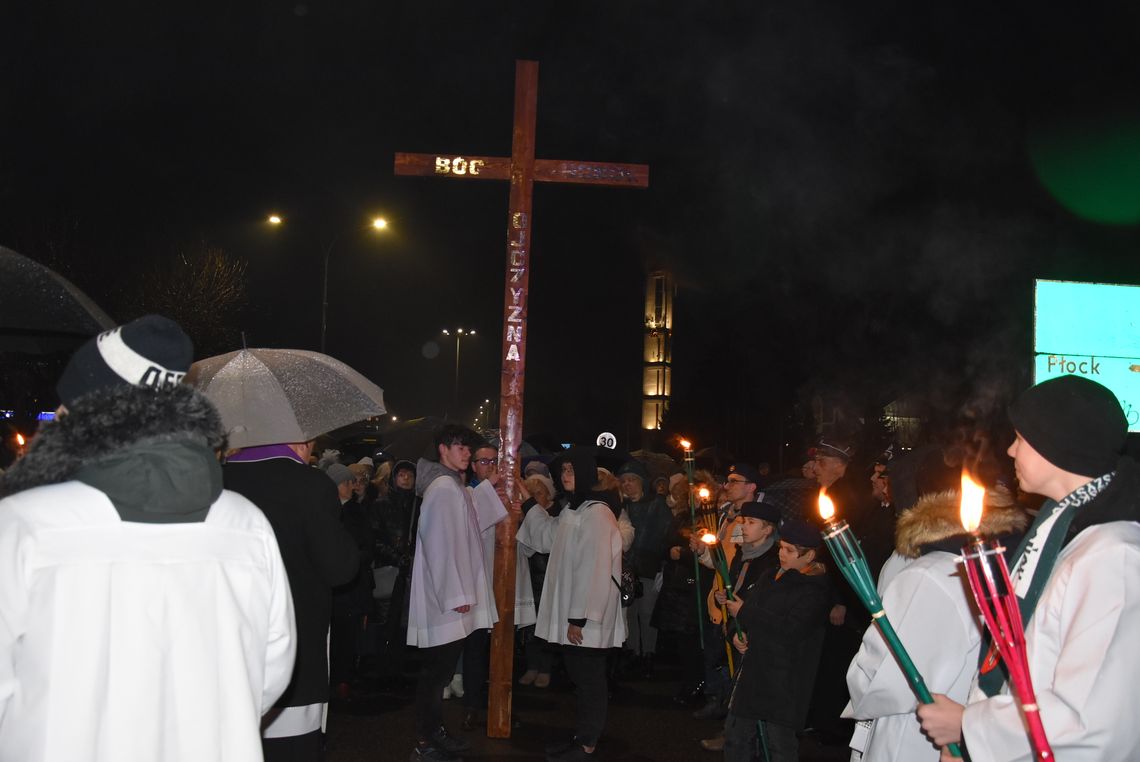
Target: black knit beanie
{"x": 1076, "y": 424}
{"x": 152, "y": 351}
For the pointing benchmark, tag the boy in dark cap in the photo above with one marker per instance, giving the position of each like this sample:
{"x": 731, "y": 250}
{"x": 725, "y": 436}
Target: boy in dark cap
{"x": 1075, "y": 575}
{"x": 783, "y": 620}
{"x": 740, "y": 487}
{"x": 757, "y": 522}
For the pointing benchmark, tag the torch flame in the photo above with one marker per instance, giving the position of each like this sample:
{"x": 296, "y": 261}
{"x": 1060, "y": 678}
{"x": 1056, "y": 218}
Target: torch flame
{"x": 826, "y": 506}
{"x": 686, "y": 445}
{"x": 703, "y": 493}
{"x": 973, "y": 494}
{"x": 708, "y": 538}
{"x": 20, "y": 439}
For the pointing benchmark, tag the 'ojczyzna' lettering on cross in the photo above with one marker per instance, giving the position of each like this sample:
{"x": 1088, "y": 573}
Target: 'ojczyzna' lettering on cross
{"x": 518, "y": 267}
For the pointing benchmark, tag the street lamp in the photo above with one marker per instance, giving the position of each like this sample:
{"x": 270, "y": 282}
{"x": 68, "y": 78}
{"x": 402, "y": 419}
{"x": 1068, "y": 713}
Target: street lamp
{"x": 378, "y": 224}
{"x": 458, "y": 333}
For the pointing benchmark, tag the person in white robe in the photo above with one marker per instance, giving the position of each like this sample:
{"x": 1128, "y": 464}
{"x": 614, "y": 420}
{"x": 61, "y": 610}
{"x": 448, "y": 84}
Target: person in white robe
{"x": 451, "y": 593}
{"x": 145, "y": 611}
{"x": 1076, "y": 576}
{"x": 926, "y": 599}
{"x": 476, "y": 660}
{"x": 580, "y": 606}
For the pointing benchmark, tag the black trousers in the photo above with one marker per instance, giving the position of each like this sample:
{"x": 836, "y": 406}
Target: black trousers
{"x": 476, "y": 668}
{"x": 343, "y": 632}
{"x": 718, "y": 682}
{"x": 692, "y": 658}
{"x": 306, "y": 748}
{"x": 587, "y": 668}
{"x": 437, "y": 665}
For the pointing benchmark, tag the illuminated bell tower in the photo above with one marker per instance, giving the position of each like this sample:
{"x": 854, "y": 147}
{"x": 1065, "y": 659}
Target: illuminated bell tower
{"x": 657, "y": 377}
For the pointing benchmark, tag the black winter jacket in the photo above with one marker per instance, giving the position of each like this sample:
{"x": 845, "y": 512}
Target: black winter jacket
{"x": 784, "y": 622}
{"x": 302, "y": 506}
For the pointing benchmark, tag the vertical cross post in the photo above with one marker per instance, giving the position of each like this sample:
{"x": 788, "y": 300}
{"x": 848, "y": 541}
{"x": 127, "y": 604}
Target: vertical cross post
{"x": 522, "y": 169}
{"x": 511, "y": 391}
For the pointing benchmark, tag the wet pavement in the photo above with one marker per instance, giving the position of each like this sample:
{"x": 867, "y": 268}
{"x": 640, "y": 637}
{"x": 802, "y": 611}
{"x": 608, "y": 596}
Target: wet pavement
{"x": 644, "y": 725}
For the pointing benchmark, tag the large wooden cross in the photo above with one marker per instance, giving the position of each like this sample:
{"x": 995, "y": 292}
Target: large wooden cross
{"x": 522, "y": 169}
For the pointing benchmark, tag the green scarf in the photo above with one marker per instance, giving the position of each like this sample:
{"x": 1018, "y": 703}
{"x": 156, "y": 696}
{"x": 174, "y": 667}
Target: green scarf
{"x": 1033, "y": 565}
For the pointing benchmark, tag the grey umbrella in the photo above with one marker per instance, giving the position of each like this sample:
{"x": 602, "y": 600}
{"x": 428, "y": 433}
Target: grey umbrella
{"x": 269, "y": 396}
{"x": 657, "y": 463}
{"x": 40, "y": 310}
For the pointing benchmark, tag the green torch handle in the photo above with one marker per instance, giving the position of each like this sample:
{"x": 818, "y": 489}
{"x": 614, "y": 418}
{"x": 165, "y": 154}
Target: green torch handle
{"x": 722, "y": 561}
{"x": 848, "y": 555}
{"x": 696, "y": 562}
{"x": 917, "y": 684}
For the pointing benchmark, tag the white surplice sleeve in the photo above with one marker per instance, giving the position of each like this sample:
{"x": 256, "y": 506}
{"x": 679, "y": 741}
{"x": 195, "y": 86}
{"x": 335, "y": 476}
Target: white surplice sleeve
{"x": 281, "y": 643}
{"x": 537, "y": 531}
{"x": 13, "y": 601}
{"x": 593, "y": 585}
{"x": 933, "y": 622}
{"x": 488, "y": 507}
{"x": 1083, "y": 658}
{"x": 443, "y": 546}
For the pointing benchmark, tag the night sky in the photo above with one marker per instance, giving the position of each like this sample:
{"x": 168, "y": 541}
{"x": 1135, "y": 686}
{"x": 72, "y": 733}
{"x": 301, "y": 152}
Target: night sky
{"x": 855, "y": 197}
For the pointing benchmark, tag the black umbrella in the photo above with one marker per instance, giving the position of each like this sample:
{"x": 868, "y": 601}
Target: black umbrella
{"x": 796, "y": 498}
{"x": 408, "y": 439}
{"x": 658, "y": 464}
{"x": 606, "y": 458}
{"x": 715, "y": 459}
{"x": 40, "y": 310}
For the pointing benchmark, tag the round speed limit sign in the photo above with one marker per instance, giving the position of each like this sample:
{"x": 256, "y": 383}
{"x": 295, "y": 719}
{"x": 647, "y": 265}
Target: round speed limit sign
{"x": 607, "y": 440}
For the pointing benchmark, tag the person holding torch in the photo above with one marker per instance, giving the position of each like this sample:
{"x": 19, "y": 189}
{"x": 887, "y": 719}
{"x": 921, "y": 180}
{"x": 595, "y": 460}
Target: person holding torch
{"x": 1077, "y": 577}
{"x": 739, "y": 488}
{"x": 936, "y": 622}
{"x": 783, "y": 620}
{"x": 758, "y": 523}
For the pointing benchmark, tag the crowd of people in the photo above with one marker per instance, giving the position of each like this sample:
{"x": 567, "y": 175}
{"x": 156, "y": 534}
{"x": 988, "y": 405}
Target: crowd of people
{"x": 165, "y": 597}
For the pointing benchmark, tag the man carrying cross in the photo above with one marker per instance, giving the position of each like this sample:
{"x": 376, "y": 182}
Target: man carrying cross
{"x": 522, "y": 169}
{"x": 451, "y": 596}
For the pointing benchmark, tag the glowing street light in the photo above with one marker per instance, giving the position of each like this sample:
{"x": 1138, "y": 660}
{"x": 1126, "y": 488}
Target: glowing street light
{"x": 458, "y": 333}
{"x": 377, "y": 224}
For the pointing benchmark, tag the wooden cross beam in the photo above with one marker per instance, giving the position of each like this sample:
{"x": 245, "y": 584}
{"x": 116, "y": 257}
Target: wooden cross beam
{"x": 522, "y": 170}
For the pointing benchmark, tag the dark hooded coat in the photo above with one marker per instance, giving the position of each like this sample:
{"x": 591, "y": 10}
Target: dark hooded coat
{"x": 652, "y": 521}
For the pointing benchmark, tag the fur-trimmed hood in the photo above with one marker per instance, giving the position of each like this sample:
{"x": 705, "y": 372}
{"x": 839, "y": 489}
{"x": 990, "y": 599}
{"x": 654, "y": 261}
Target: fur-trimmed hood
{"x": 104, "y": 424}
{"x": 935, "y": 519}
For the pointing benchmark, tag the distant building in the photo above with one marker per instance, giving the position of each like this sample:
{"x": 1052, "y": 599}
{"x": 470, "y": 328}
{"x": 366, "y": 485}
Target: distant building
{"x": 905, "y": 417}
{"x": 657, "y": 376}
